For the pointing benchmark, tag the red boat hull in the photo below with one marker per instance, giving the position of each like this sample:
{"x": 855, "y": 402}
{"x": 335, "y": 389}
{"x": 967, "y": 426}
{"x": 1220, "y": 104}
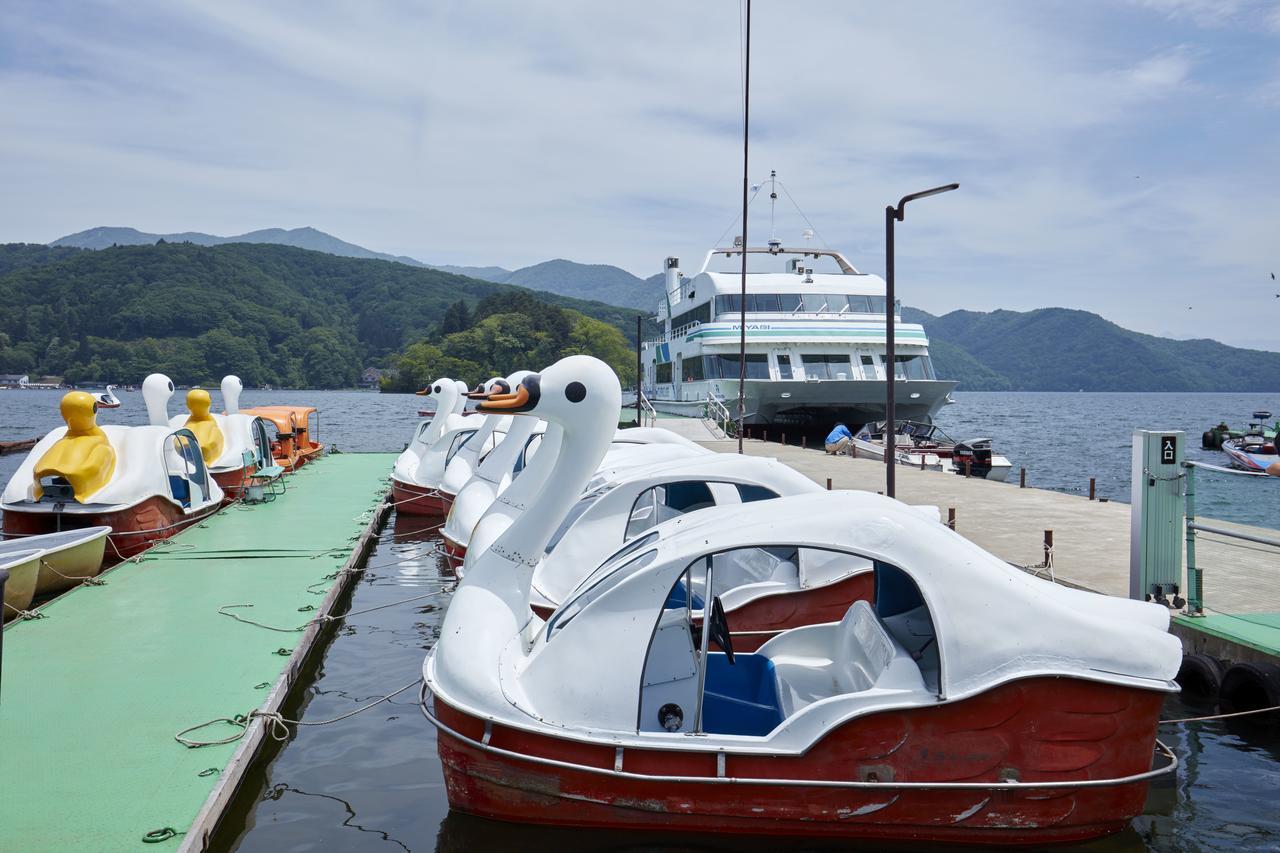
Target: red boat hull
{"x": 454, "y": 553}
{"x": 133, "y": 530}
{"x": 1036, "y": 730}
{"x": 446, "y": 501}
{"x": 232, "y": 482}
{"x": 416, "y": 500}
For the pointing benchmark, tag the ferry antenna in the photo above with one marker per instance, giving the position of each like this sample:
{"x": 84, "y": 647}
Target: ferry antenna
{"x": 746, "y": 128}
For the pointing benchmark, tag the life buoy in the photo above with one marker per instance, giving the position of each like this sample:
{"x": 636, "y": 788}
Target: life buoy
{"x": 1200, "y": 675}
{"x": 1250, "y": 686}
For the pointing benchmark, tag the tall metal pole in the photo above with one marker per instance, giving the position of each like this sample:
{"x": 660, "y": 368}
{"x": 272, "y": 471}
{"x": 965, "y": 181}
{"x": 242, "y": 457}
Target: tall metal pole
{"x": 890, "y": 360}
{"x": 742, "y": 312}
{"x": 639, "y": 373}
{"x": 892, "y": 213}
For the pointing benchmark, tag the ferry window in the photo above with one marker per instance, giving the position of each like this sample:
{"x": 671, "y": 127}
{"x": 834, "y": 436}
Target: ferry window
{"x": 789, "y": 302}
{"x": 567, "y": 612}
{"x": 693, "y": 370}
{"x": 912, "y": 367}
{"x": 663, "y": 372}
{"x": 825, "y": 366}
{"x": 763, "y": 302}
{"x": 868, "y": 367}
{"x": 837, "y": 302}
{"x": 859, "y": 305}
{"x": 662, "y": 503}
{"x": 814, "y": 303}
{"x": 726, "y": 366}
{"x": 701, "y": 314}
{"x": 730, "y": 303}
{"x": 877, "y": 304}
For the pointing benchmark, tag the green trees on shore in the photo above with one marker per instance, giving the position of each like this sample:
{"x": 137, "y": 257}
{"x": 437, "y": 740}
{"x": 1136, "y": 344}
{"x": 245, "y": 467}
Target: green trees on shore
{"x": 273, "y": 315}
{"x": 507, "y": 332}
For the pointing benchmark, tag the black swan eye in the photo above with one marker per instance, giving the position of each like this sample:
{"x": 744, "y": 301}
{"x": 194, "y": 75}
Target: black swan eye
{"x": 576, "y": 392}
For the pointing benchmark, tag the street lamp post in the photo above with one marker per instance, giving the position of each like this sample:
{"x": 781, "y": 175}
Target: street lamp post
{"x": 892, "y": 214}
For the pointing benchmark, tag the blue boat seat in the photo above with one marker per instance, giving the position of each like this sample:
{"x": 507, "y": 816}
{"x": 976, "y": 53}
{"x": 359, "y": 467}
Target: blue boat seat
{"x": 180, "y": 488}
{"x": 742, "y": 698}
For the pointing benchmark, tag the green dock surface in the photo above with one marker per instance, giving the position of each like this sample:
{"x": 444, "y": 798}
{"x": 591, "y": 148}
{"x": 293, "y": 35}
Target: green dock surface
{"x": 92, "y": 695}
{"x": 1257, "y": 631}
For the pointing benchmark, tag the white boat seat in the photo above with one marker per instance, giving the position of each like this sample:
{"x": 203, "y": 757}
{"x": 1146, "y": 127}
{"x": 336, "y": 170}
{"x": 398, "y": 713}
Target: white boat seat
{"x": 854, "y": 655}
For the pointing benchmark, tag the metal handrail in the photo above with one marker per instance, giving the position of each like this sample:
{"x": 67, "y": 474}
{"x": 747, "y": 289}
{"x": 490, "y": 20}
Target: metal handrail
{"x": 648, "y": 414}
{"x": 718, "y": 413}
{"x": 616, "y": 771}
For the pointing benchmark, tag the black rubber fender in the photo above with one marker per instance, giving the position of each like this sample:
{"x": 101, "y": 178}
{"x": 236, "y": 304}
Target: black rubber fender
{"x": 1250, "y": 686}
{"x": 1201, "y": 675}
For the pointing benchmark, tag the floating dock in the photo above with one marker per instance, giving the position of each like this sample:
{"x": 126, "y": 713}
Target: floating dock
{"x": 94, "y": 693}
{"x": 1090, "y": 539}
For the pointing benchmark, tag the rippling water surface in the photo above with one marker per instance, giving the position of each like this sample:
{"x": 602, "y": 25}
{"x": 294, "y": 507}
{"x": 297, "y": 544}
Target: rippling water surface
{"x": 373, "y": 781}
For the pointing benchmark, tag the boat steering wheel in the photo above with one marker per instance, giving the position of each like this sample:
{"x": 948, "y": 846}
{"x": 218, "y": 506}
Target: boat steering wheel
{"x": 719, "y": 627}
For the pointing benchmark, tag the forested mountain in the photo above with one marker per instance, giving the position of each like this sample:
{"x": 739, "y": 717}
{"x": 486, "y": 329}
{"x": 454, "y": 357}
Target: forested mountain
{"x": 594, "y": 282}
{"x": 301, "y": 238}
{"x": 271, "y": 314}
{"x": 1060, "y": 349}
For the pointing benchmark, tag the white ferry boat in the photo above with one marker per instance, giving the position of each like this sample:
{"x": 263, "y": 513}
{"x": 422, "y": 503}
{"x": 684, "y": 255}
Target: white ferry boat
{"x": 815, "y": 343}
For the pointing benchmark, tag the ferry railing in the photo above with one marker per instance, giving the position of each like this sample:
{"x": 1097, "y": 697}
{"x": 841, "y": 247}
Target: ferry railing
{"x": 648, "y": 414}
{"x": 718, "y": 413}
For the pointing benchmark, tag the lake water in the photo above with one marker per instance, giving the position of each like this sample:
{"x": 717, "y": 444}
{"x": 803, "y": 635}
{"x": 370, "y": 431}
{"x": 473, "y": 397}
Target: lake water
{"x": 373, "y": 782}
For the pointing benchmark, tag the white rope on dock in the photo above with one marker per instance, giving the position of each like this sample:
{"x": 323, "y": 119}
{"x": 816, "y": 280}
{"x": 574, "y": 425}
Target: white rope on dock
{"x": 324, "y": 617}
{"x": 277, "y": 725}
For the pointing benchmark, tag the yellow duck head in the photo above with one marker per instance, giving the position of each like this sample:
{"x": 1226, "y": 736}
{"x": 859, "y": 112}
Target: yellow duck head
{"x": 83, "y": 457}
{"x": 202, "y": 424}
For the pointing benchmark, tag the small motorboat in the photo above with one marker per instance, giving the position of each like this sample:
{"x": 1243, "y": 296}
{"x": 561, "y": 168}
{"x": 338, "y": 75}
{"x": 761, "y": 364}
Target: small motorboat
{"x": 235, "y": 445}
{"x": 23, "y": 566}
{"x": 944, "y": 710}
{"x": 1254, "y": 451}
{"x": 926, "y": 446}
{"x": 107, "y": 399}
{"x": 297, "y": 430}
{"x": 66, "y": 558}
{"x": 415, "y": 477}
{"x": 145, "y": 482}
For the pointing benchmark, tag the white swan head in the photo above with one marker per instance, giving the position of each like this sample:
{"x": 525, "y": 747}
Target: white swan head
{"x": 156, "y": 391}
{"x": 445, "y": 392}
{"x": 496, "y": 385}
{"x": 563, "y": 393}
{"x": 231, "y": 388}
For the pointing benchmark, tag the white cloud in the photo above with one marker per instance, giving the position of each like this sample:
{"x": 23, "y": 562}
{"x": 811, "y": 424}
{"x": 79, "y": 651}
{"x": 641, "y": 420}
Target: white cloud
{"x": 488, "y": 132}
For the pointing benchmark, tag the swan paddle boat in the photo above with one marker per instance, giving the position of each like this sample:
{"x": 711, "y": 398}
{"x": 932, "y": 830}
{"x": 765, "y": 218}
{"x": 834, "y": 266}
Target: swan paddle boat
{"x": 145, "y": 482}
{"x": 462, "y": 462}
{"x": 630, "y": 450}
{"x": 967, "y": 702}
{"x": 415, "y": 477}
{"x": 764, "y": 591}
{"x": 107, "y": 399}
{"x": 297, "y": 430}
{"x": 235, "y": 445}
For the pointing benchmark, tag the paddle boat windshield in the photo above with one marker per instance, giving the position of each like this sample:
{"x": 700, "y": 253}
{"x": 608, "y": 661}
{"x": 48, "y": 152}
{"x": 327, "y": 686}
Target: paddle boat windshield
{"x": 297, "y": 433}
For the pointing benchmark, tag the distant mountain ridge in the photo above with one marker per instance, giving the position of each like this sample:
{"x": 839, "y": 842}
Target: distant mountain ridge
{"x": 1064, "y": 349}
{"x": 595, "y": 282}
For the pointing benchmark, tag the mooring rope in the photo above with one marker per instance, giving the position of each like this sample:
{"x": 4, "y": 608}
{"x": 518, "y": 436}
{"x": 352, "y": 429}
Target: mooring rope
{"x": 276, "y": 724}
{"x": 81, "y": 580}
{"x": 1221, "y": 716}
{"x": 324, "y": 617}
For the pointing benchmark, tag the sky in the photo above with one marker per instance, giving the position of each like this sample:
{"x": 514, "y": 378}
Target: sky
{"x": 1118, "y": 156}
